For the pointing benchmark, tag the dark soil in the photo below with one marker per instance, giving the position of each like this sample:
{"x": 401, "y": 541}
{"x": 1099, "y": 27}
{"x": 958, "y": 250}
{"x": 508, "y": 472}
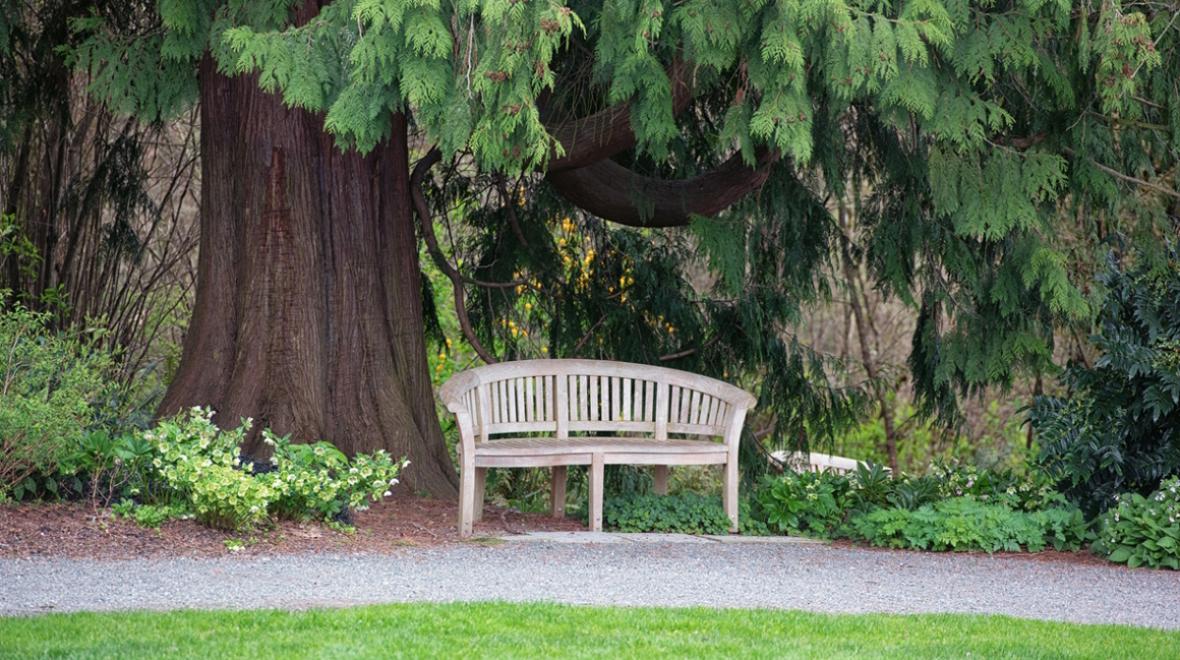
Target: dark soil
{"x": 77, "y": 529}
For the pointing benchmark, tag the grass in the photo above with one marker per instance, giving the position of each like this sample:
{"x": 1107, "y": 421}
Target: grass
{"x": 541, "y": 630}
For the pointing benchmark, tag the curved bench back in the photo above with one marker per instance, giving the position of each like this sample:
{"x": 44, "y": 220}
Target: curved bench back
{"x": 566, "y": 397}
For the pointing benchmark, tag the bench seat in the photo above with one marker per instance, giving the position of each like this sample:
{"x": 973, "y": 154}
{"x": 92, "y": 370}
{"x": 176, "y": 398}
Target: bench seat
{"x": 528, "y": 414}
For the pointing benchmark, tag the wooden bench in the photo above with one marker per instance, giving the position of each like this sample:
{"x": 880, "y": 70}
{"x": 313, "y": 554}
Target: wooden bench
{"x": 557, "y": 413}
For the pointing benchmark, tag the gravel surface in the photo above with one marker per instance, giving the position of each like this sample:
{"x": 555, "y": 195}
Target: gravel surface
{"x": 797, "y": 576}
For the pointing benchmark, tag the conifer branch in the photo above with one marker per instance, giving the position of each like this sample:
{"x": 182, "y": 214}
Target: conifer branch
{"x": 607, "y": 132}
{"x": 620, "y": 195}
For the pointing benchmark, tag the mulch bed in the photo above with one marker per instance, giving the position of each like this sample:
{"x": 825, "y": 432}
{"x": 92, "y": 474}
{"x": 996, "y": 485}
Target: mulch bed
{"x": 78, "y": 530}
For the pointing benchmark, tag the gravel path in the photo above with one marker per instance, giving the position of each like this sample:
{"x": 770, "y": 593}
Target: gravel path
{"x": 807, "y": 577}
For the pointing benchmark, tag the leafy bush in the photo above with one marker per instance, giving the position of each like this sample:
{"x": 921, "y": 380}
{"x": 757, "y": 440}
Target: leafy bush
{"x": 1118, "y": 429}
{"x": 965, "y": 523}
{"x": 48, "y": 383}
{"x": 1031, "y": 490}
{"x": 1143, "y": 531}
{"x": 686, "y": 513}
{"x": 912, "y": 492}
{"x": 200, "y": 464}
{"x": 317, "y": 480}
{"x": 807, "y": 503}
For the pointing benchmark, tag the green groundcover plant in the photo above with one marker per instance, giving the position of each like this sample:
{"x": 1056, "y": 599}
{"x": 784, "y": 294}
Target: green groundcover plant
{"x": 952, "y": 508}
{"x": 965, "y": 523}
{"x": 1143, "y": 531}
{"x": 683, "y": 513}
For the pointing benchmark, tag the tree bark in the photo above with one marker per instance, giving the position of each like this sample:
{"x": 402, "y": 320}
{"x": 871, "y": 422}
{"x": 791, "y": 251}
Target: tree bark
{"x": 308, "y": 313}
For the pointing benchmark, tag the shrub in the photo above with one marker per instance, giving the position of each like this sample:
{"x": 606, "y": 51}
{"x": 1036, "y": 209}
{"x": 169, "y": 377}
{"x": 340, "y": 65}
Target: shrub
{"x": 317, "y": 480}
{"x": 1118, "y": 429}
{"x": 685, "y": 513}
{"x": 965, "y": 523}
{"x": 912, "y": 492}
{"x": 48, "y": 383}
{"x": 200, "y": 464}
{"x": 1143, "y": 531}
{"x": 1031, "y": 490}
{"x": 808, "y": 503}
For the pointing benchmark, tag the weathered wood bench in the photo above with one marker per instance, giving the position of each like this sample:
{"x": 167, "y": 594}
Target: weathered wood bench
{"x": 557, "y": 413}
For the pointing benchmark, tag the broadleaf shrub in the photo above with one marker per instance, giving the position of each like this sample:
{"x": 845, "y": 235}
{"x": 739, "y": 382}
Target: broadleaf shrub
{"x": 318, "y": 481}
{"x": 1118, "y": 428}
{"x": 201, "y": 465}
{"x": 49, "y": 381}
{"x": 806, "y": 503}
{"x": 1143, "y": 531}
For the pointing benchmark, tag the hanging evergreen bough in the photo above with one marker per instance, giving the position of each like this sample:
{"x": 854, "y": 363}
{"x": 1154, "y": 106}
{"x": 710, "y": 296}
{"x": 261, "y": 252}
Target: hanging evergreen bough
{"x": 969, "y": 137}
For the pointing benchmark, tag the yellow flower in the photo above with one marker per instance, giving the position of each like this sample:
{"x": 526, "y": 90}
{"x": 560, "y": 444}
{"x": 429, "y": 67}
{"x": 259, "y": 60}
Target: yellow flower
{"x": 528, "y": 307}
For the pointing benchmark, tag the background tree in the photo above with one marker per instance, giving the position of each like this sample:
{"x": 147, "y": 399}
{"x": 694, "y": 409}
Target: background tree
{"x": 959, "y": 132}
{"x": 95, "y": 225}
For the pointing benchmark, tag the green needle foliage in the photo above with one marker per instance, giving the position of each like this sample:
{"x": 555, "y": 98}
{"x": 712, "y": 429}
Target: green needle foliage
{"x": 983, "y": 146}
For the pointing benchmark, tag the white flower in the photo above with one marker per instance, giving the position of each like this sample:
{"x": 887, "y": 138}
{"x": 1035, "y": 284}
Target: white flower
{"x": 387, "y": 493}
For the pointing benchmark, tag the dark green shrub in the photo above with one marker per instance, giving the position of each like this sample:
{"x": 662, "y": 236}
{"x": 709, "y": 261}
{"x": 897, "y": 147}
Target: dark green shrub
{"x": 871, "y": 486}
{"x": 1117, "y": 429}
{"x": 1143, "y": 531}
{"x": 964, "y": 523}
{"x": 911, "y": 492}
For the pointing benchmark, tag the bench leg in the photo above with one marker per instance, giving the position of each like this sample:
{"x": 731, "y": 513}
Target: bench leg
{"x": 731, "y": 494}
{"x": 596, "y": 478}
{"x": 466, "y": 497}
{"x": 557, "y": 491}
{"x": 481, "y": 482}
{"x": 659, "y": 475}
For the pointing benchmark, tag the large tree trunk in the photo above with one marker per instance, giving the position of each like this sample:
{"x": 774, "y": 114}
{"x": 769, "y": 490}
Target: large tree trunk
{"x": 308, "y": 313}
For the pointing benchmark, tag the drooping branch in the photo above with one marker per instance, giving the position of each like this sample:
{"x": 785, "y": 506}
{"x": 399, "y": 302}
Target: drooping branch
{"x": 599, "y": 136}
{"x": 422, "y": 208}
{"x": 615, "y": 193}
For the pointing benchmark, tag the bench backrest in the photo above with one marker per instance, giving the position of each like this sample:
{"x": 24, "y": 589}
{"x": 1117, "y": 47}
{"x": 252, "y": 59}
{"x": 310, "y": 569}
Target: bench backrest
{"x": 572, "y": 397}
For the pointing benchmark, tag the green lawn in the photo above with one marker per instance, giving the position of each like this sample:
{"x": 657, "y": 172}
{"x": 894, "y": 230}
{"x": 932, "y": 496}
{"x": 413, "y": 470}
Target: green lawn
{"x": 536, "y": 630}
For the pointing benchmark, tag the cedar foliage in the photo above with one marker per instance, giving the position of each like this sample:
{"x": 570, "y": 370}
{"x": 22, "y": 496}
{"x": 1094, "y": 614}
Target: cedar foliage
{"x": 985, "y": 145}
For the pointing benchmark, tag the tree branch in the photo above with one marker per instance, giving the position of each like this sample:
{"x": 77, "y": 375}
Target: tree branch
{"x": 615, "y": 193}
{"x": 427, "y": 225}
{"x": 598, "y": 136}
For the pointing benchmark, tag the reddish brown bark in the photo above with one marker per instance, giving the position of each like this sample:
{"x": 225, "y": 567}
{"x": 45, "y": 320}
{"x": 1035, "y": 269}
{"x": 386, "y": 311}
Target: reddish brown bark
{"x": 308, "y": 313}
